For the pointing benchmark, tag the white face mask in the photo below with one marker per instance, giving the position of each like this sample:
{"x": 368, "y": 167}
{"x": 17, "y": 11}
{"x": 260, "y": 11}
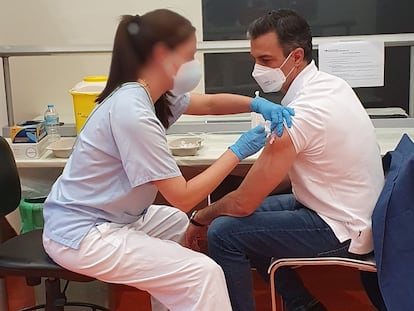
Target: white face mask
{"x": 187, "y": 77}
{"x": 270, "y": 79}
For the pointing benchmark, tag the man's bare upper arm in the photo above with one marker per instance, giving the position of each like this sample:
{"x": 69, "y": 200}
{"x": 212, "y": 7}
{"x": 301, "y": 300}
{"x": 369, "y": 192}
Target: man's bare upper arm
{"x": 267, "y": 172}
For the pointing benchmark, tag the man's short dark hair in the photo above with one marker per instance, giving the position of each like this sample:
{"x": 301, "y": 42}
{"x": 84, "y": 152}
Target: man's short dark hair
{"x": 292, "y": 30}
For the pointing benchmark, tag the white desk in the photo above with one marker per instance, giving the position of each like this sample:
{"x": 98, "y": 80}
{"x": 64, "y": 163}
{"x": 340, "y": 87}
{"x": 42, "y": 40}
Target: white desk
{"x": 215, "y": 144}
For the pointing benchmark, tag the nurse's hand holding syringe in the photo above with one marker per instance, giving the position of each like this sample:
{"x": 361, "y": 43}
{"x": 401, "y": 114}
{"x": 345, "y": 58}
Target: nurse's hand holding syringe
{"x": 274, "y": 113}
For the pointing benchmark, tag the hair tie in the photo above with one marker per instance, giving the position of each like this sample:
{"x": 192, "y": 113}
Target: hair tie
{"x": 133, "y": 27}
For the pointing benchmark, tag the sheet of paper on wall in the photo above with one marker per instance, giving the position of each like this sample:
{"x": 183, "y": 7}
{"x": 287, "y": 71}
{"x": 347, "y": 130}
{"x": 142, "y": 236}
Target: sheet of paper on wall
{"x": 360, "y": 63}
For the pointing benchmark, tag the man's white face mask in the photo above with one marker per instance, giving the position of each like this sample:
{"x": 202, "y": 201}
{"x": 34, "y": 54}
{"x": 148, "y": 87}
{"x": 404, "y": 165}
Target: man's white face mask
{"x": 270, "y": 79}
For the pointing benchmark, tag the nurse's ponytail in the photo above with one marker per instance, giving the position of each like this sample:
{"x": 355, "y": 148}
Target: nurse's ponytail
{"x": 124, "y": 63}
{"x": 134, "y": 41}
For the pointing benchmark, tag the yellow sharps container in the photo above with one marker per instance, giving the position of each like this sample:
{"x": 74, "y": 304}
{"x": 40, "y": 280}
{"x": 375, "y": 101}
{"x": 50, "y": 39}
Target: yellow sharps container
{"x": 84, "y": 94}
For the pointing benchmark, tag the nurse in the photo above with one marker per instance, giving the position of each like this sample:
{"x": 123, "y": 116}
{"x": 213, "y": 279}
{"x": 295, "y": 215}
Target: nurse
{"x": 99, "y": 216}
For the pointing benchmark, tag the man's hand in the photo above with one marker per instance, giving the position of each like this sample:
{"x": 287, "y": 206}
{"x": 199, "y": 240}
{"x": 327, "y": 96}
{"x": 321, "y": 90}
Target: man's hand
{"x": 193, "y": 235}
{"x": 275, "y": 113}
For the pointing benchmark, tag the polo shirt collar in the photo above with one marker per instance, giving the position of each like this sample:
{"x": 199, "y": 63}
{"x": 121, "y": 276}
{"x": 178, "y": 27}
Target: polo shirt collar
{"x": 300, "y": 81}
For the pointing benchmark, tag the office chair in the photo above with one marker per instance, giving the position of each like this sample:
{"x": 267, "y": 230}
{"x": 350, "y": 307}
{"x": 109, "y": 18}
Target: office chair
{"x": 367, "y": 264}
{"x": 24, "y": 255}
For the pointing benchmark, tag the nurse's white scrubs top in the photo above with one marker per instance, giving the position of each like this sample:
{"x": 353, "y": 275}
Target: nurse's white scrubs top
{"x": 119, "y": 152}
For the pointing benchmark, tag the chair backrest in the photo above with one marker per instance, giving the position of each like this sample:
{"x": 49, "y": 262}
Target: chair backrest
{"x": 10, "y": 190}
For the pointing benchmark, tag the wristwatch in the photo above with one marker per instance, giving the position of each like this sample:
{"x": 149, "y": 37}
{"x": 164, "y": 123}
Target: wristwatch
{"x": 192, "y": 220}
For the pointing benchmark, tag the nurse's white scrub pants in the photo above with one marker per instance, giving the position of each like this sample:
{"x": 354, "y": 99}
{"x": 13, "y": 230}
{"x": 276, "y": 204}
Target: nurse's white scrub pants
{"x": 147, "y": 255}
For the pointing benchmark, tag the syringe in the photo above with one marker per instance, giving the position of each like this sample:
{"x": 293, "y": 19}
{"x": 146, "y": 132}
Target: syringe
{"x": 272, "y": 135}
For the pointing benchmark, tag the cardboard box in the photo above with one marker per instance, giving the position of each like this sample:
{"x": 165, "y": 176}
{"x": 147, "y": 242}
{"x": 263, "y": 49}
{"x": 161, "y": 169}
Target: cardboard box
{"x": 28, "y": 132}
{"x": 30, "y": 150}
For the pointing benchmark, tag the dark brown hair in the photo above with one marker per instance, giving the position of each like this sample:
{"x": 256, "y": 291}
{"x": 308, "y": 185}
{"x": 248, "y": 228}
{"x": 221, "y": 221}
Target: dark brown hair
{"x": 292, "y": 30}
{"x": 134, "y": 41}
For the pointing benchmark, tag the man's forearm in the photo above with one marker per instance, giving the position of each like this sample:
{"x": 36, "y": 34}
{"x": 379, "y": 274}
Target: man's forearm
{"x": 268, "y": 171}
{"x": 229, "y": 205}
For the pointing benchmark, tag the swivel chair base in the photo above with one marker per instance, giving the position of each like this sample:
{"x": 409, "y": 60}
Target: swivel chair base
{"x": 56, "y": 299}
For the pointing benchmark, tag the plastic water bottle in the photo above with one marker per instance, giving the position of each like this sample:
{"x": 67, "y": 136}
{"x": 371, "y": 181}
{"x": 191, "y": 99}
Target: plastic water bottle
{"x": 52, "y": 123}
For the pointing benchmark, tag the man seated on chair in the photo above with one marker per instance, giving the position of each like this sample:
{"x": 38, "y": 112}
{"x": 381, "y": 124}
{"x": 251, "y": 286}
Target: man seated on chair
{"x": 331, "y": 157}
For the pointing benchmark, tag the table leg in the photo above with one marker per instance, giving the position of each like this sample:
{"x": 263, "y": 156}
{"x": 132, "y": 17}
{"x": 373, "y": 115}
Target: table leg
{"x": 8, "y": 91}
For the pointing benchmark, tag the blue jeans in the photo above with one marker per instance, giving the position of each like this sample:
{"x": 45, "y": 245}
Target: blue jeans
{"x": 281, "y": 227}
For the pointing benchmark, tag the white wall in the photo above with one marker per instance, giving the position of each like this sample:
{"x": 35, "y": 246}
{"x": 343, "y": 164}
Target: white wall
{"x": 3, "y": 112}
{"x": 37, "y": 81}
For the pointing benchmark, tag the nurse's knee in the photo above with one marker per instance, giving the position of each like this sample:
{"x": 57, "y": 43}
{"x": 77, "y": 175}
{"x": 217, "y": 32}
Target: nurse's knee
{"x": 172, "y": 223}
{"x": 180, "y": 218}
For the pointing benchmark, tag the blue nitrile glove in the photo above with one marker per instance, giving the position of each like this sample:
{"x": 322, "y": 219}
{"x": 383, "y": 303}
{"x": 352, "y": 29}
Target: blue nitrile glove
{"x": 273, "y": 112}
{"x": 250, "y": 142}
